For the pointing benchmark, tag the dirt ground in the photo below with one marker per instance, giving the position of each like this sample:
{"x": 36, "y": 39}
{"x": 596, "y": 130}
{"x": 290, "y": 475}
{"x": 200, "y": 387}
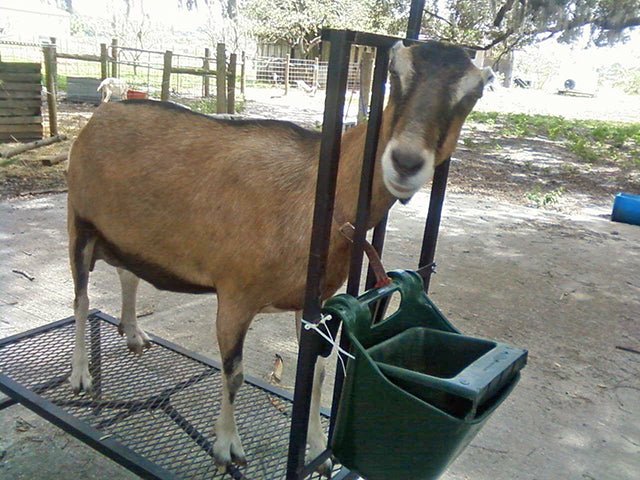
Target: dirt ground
{"x": 561, "y": 281}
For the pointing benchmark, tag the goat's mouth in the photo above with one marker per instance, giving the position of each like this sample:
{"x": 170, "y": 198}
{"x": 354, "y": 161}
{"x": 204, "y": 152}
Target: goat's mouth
{"x": 397, "y": 189}
{"x": 401, "y": 184}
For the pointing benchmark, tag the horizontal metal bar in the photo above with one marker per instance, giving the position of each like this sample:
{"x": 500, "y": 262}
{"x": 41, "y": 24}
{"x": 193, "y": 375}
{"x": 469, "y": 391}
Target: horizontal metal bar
{"x": 345, "y": 474}
{"x": 367, "y": 39}
{"x": 310, "y": 467}
{"x": 38, "y": 330}
{"x": 79, "y": 429}
{"x": 383, "y": 41}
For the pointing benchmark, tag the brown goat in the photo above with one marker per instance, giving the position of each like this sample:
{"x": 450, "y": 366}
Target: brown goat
{"x": 195, "y": 204}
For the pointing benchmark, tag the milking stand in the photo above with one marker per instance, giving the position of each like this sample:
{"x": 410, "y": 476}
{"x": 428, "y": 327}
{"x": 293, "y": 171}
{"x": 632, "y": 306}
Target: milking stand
{"x": 312, "y": 345}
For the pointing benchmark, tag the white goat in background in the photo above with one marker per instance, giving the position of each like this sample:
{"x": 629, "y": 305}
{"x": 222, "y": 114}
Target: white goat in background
{"x": 113, "y": 86}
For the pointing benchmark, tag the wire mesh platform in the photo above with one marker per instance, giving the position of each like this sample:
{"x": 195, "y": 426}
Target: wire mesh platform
{"x": 154, "y": 413}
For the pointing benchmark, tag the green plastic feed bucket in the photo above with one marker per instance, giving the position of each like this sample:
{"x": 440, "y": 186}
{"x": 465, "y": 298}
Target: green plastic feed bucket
{"x": 417, "y": 391}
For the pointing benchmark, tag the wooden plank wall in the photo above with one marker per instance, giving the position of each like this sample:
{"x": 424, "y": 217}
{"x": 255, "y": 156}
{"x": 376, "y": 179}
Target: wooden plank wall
{"x": 20, "y": 102}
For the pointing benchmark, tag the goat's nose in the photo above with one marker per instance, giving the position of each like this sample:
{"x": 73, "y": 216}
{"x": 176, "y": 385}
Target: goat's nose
{"x": 406, "y": 162}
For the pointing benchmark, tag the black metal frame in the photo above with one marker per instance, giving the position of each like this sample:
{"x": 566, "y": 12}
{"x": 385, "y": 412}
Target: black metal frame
{"x": 311, "y": 346}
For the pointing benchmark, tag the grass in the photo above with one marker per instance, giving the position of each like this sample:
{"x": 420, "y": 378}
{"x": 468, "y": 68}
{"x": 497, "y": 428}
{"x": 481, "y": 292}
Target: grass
{"x": 544, "y": 199}
{"x": 591, "y": 141}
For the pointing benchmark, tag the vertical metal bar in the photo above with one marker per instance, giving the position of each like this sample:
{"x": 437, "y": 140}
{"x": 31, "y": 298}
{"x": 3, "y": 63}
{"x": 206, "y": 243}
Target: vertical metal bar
{"x": 380, "y": 307}
{"x": 439, "y": 184}
{"x": 364, "y": 200}
{"x": 368, "y": 165}
{"x": 432, "y": 227}
{"x": 415, "y": 19}
{"x": 310, "y": 343}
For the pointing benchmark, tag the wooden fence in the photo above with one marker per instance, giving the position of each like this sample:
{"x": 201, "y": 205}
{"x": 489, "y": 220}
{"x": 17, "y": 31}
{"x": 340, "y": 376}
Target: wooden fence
{"x": 110, "y": 63}
{"x": 20, "y": 102}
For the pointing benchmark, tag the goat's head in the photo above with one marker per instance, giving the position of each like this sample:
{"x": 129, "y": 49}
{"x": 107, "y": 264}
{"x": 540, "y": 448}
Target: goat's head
{"x": 433, "y": 88}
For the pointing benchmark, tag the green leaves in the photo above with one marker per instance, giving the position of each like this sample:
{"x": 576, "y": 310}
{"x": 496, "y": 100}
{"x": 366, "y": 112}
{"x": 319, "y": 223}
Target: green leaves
{"x": 297, "y": 22}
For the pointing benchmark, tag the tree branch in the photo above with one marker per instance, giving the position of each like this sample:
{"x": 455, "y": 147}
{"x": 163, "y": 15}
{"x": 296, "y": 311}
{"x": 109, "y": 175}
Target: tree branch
{"x": 438, "y": 17}
{"x": 502, "y": 12}
{"x": 497, "y": 40}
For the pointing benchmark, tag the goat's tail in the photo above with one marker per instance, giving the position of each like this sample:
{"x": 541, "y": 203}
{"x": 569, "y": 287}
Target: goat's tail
{"x": 102, "y": 84}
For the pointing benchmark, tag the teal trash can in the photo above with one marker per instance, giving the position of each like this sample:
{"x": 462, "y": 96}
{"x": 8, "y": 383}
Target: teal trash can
{"x": 417, "y": 391}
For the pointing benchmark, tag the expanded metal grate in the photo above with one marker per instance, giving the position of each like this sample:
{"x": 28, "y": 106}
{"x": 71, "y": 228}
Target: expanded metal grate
{"x": 159, "y": 407}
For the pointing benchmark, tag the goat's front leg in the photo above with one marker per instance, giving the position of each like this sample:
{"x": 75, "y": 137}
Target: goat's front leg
{"x": 80, "y": 252}
{"x": 316, "y": 437}
{"x": 137, "y": 340}
{"x": 231, "y": 327}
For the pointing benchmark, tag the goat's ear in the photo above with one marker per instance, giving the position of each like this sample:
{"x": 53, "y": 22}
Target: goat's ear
{"x": 488, "y": 76}
{"x": 397, "y": 46}
{"x": 396, "y": 49}
{"x": 401, "y": 64}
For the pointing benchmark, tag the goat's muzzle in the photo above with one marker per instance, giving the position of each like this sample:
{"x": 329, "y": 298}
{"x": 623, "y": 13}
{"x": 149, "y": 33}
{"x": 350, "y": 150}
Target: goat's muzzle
{"x": 406, "y": 169}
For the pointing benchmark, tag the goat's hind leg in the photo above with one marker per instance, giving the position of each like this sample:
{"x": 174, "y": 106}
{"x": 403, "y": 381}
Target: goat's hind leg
{"x": 137, "y": 340}
{"x": 316, "y": 437}
{"x": 81, "y": 246}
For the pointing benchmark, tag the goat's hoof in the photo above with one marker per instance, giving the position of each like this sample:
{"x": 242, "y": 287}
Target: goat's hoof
{"x": 138, "y": 348}
{"x": 325, "y": 468}
{"x": 80, "y": 381}
{"x": 138, "y": 343}
{"x": 317, "y": 445}
{"x": 229, "y": 451}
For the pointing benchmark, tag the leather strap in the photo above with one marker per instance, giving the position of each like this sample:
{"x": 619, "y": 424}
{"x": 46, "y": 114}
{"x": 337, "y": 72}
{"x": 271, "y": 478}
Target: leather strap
{"x": 348, "y": 230}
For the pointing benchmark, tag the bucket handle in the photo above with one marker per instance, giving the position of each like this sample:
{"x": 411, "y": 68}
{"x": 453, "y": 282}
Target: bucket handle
{"x": 415, "y": 310}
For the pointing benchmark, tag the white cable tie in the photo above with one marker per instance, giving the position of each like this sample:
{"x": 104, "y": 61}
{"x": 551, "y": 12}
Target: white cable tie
{"x": 327, "y": 336}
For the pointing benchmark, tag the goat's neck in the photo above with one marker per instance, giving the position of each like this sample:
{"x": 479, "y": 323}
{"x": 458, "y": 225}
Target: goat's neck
{"x": 351, "y": 157}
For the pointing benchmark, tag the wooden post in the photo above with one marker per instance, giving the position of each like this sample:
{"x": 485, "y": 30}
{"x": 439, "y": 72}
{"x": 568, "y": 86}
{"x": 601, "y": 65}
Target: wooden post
{"x": 286, "y": 74}
{"x": 114, "y": 58}
{"x": 166, "y": 76}
{"x": 104, "y": 61}
{"x": 50, "y": 78}
{"x": 53, "y": 41}
{"x": 205, "y": 79}
{"x": 366, "y": 76}
{"x": 221, "y": 79}
{"x": 243, "y": 73}
{"x": 231, "y": 88}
